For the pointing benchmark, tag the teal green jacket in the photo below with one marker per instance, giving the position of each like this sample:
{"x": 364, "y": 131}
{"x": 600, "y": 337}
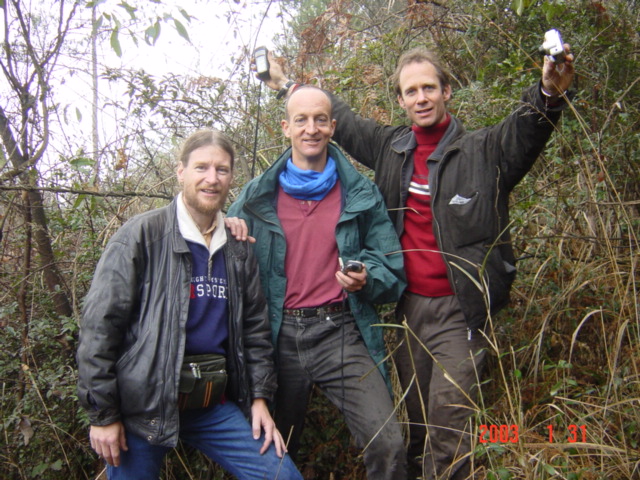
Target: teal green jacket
{"x": 364, "y": 232}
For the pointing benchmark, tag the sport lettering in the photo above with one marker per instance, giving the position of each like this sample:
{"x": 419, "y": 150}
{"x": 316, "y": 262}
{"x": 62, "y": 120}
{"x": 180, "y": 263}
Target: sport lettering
{"x": 215, "y": 288}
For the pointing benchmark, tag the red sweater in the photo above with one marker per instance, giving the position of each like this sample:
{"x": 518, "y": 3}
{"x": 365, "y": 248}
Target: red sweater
{"x": 423, "y": 263}
{"x": 311, "y": 259}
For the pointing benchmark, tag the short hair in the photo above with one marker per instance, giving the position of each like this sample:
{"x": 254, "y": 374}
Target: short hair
{"x": 205, "y": 138}
{"x": 305, "y": 86}
{"x": 420, "y": 55}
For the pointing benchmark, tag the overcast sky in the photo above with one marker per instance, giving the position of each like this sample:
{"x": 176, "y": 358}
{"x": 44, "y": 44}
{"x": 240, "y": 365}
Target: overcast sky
{"x": 219, "y": 32}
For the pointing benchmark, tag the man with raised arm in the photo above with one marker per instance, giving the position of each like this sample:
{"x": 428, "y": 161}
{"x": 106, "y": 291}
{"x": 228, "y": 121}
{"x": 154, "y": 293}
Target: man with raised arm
{"x": 447, "y": 192}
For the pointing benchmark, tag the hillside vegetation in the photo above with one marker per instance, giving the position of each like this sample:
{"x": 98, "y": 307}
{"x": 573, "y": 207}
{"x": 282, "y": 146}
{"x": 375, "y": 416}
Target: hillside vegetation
{"x": 564, "y": 367}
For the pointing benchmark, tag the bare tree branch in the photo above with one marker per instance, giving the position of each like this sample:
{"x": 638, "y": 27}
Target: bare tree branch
{"x": 9, "y": 141}
{"x": 26, "y": 188}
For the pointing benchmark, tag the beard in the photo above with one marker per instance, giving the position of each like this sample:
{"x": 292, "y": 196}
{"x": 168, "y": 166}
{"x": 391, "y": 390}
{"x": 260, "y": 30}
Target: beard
{"x": 209, "y": 207}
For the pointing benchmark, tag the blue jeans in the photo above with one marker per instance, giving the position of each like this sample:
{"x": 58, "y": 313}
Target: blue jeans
{"x": 223, "y": 434}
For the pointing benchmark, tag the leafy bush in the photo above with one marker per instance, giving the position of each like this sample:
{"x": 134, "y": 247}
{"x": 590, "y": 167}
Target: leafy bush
{"x": 564, "y": 355}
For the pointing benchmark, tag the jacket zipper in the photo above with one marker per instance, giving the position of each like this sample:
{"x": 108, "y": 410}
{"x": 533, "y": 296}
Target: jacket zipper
{"x": 436, "y": 225}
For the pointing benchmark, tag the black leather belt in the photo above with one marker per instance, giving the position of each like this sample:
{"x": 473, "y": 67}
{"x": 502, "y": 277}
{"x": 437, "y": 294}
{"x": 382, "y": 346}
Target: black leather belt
{"x": 317, "y": 311}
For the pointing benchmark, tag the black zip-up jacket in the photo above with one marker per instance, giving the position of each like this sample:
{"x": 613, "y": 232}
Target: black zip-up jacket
{"x": 470, "y": 177}
{"x": 132, "y": 334}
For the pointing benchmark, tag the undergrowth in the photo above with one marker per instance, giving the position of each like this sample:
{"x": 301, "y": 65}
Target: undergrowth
{"x": 564, "y": 359}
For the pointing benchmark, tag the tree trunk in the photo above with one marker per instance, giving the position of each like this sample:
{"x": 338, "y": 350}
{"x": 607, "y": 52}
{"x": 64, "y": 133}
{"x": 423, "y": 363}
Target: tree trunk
{"x": 52, "y": 277}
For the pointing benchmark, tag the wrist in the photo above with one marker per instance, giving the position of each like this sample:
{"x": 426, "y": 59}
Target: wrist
{"x": 259, "y": 402}
{"x": 284, "y": 90}
{"x": 551, "y": 99}
{"x": 282, "y": 84}
{"x": 555, "y": 95}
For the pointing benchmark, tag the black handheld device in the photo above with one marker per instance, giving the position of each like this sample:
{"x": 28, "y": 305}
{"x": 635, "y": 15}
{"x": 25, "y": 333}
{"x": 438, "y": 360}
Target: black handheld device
{"x": 352, "y": 266}
{"x": 260, "y": 55}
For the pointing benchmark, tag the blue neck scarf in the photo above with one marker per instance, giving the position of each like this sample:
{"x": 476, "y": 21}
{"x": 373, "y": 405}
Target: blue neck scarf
{"x": 308, "y": 184}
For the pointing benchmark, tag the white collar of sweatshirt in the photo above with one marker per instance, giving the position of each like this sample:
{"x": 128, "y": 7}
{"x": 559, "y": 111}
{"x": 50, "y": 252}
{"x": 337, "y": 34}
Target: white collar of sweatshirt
{"x": 190, "y": 231}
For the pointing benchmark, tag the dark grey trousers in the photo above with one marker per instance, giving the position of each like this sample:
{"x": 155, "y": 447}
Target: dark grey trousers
{"x": 438, "y": 405}
{"x": 330, "y": 353}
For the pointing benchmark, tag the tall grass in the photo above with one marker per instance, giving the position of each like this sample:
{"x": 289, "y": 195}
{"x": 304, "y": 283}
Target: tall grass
{"x": 565, "y": 357}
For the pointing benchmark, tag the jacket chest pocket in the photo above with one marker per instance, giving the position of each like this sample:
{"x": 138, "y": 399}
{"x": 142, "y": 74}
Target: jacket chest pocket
{"x": 470, "y": 218}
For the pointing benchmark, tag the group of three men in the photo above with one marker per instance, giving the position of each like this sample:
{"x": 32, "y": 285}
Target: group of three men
{"x": 175, "y": 291}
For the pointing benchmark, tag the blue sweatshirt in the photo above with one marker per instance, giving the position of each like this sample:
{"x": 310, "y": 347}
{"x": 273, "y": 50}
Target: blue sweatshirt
{"x": 207, "y": 325}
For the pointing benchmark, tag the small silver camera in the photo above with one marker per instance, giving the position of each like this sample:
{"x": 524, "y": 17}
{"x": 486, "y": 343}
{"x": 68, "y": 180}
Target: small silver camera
{"x": 553, "y": 46}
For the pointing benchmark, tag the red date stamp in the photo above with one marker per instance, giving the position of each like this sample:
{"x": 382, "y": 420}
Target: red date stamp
{"x": 575, "y": 433}
{"x": 509, "y": 434}
{"x": 498, "y": 433}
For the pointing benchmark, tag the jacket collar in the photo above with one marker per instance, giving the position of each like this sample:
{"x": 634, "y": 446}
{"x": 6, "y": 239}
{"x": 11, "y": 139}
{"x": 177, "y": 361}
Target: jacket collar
{"x": 353, "y": 184}
{"x": 404, "y": 143}
{"x": 171, "y": 221}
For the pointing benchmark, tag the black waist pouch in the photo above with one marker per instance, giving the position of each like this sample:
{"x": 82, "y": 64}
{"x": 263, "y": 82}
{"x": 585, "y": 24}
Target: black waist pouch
{"x": 203, "y": 380}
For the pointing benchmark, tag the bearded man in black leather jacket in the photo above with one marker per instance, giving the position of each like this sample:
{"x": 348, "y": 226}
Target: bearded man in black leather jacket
{"x": 174, "y": 282}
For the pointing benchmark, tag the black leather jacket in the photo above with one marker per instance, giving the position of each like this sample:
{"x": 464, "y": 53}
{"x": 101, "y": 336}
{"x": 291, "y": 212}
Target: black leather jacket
{"x": 132, "y": 334}
{"x": 470, "y": 177}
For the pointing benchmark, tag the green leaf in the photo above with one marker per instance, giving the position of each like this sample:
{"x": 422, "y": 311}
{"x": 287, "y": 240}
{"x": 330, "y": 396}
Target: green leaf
{"x": 518, "y": 6}
{"x": 184, "y": 13}
{"x": 553, "y": 10}
{"x": 557, "y": 388}
{"x": 181, "y": 30}
{"x": 80, "y": 162}
{"x": 504, "y": 473}
{"x": 115, "y": 43}
{"x": 152, "y": 33}
{"x": 79, "y": 201}
{"x": 130, "y": 10}
{"x": 38, "y": 469}
{"x": 93, "y": 3}
{"x": 98, "y": 23}
{"x": 564, "y": 364}
{"x": 78, "y": 114}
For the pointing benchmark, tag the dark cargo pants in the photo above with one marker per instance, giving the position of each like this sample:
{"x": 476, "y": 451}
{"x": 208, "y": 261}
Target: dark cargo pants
{"x": 330, "y": 353}
{"x": 440, "y": 444}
